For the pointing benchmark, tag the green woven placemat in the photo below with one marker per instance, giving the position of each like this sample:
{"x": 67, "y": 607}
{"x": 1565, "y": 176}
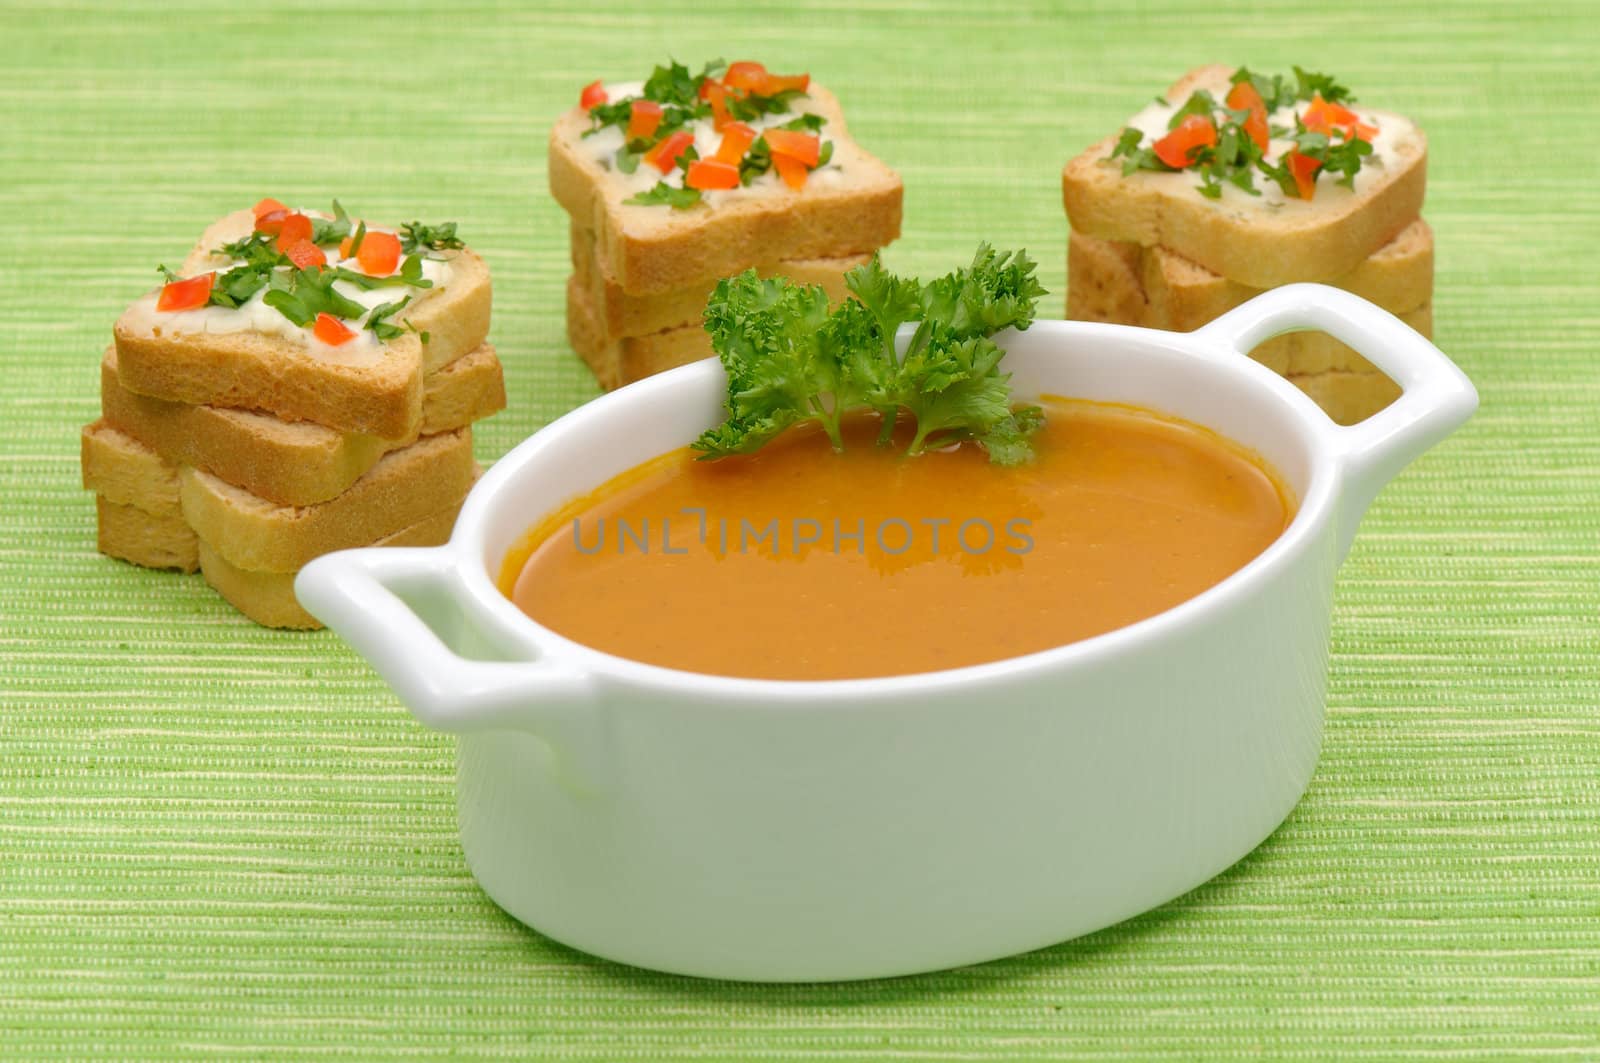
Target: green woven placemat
{"x": 215, "y": 838}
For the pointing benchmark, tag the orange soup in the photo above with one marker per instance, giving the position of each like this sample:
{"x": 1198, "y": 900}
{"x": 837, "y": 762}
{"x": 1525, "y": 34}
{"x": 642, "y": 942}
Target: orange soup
{"x": 798, "y": 562}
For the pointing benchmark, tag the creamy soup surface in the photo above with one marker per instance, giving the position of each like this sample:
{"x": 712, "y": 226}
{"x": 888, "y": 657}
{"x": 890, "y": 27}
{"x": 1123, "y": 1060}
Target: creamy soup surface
{"x": 797, "y": 562}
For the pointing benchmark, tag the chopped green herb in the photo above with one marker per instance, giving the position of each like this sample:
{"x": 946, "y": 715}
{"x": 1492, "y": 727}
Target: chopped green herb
{"x": 806, "y": 123}
{"x": 416, "y": 235}
{"x": 378, "y": 320}
{"x": 1200, "y": 102}
{"x": 664, "y": 194}
{"x": 331, "y": 232}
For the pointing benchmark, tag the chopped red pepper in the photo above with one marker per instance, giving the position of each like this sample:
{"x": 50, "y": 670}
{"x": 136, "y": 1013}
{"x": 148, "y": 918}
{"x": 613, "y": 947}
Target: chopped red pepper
{"x": 1177, "y": 148}
{"x": 736, "y": 140}
{"x": 593, "y": 95}
{"x": 1324, "y": 117}
{"x": 804, "y": 148}
{"x": 305, "y": 254}
{"x": 756, "y": 79}
{"x": 1244, "y": 97}
{"x": 267, "y": 206}
{"x": 296, "y": 227}
{"x": 331, "y": 330}
{"x": 777, "y": 83}
{"x": 664, "y": 156}
{"x": 1304, "y": 169}
{"x": 643, "y": 119}
{"x": 379, "y": 254}
{"x": 793, "y": 171}
{"x": 717, "y": 96}
{"x": 707, "y": 174}
{"x": 746, "y": 77}
{"x": 187, "y": 294}
{"x": 271, "y": 222}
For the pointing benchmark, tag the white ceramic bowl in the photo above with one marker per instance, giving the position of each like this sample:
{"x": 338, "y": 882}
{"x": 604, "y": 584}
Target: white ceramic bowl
{"x": 796, "y": 831}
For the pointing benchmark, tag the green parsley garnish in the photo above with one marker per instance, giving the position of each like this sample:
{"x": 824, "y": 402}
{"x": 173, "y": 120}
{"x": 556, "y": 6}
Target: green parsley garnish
{"x": 791, "y": 360}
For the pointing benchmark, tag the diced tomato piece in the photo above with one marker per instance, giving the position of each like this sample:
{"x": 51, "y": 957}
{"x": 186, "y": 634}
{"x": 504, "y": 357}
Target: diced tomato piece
{"x": 187, "y": 294}
{"x": 746, "y": 77}
{"x": 736, "y": 140}
{"x": 708, "y": 174}
{"x": 706, "y": 85}
{"x": 1321, "y": 115}
{"x": 1176, "y": 148}
{"x": 267, "y": 206}
{"x": 756, "y": 79}
{"x": 664, "y": 156}
{"x": 593, "y": 95}
{"x": 793, "y": 171}
{"x": 296, "y": 227}
{"x": 1324, "y": 117}
{"x": 1304, "y": 169}
{"x": 777, "y": 83}
{"x": 305, "y": 254}
{"x": 643, "y": 119}
{"x": 344, "y": 247}
{"x": 717, "y": 96}
{"x": 271, "y": 222}
{"x": 802, "y": 147}
{"x": 1244, "y": 97}
{"x": 331, "y": 330}
{"x": 379, "y": 254}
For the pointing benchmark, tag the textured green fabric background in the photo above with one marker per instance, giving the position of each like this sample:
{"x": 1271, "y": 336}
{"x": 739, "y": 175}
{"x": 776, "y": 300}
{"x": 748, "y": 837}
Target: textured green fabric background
{"x": 220, "y": 839}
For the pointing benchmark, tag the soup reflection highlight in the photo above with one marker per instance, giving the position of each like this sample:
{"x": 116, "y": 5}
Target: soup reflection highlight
{"x": 797, "y": 562}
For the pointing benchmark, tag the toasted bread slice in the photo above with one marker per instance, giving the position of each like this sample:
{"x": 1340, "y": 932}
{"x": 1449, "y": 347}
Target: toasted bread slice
{"x": 405, "y": 486}
{"x": 254, "y": 358}
{"x": 1185, "y": 295}
{"x": 146, "y": 527}
{"x": 850, "y": 207}
{"x": 622, "y": 314}
{"x": 1105, "y": 283}
{"x": 1260, "y": 241}
{"x": 148, "y": 539}
{"x": 1345, "y": 396}
{"x": 616, "y": 361}
{"x": 293, "y": 463}
{"x": 124, "y": 471}
{"x": 268, "y": 597}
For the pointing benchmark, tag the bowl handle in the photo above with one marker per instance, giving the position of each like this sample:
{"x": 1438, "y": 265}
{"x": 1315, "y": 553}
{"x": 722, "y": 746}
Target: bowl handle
{"x": 367, "y": 597}
{"x": 1436, "y": 397}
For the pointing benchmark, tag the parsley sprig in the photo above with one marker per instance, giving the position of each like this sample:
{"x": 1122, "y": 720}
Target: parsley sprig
{"x": 1235, "y": 158}
{"x": 791, "y": 360}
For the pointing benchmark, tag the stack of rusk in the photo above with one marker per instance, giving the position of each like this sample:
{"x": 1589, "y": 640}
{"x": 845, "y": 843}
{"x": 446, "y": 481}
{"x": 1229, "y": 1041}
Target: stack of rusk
{"x": 245, "y": 452}
{"x": 1149, "y": 250}
{"x": 642, "y": 274}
